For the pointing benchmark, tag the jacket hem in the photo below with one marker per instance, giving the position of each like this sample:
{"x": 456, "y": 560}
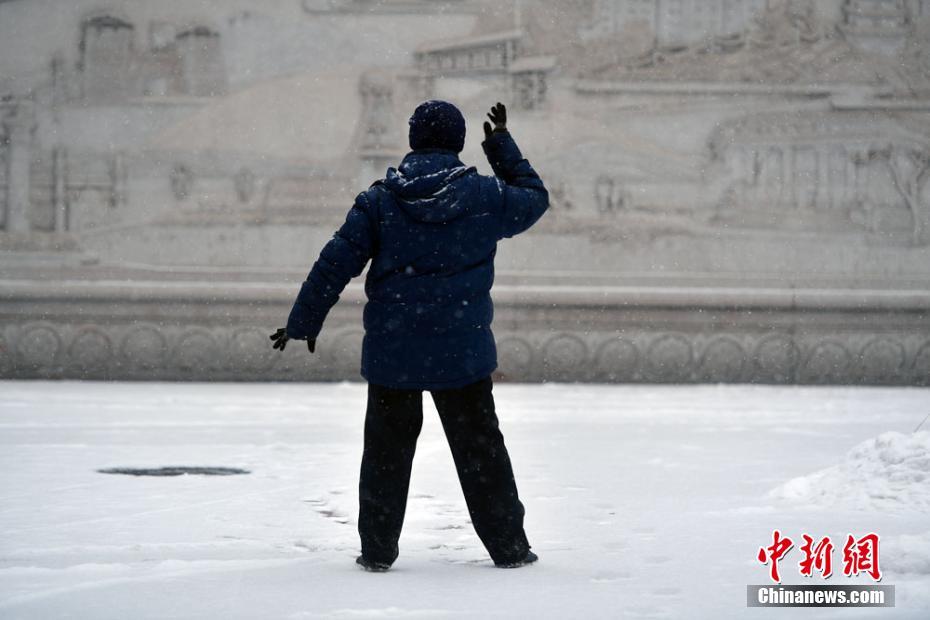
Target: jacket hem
{"x": 432, "y": 385}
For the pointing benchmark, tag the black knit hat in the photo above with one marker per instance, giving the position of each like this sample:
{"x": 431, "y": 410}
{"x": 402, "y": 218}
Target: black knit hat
{"x": 437, "y": 124}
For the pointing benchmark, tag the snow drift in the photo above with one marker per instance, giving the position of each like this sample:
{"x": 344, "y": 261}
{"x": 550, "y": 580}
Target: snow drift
{"x": 888, "y": 472}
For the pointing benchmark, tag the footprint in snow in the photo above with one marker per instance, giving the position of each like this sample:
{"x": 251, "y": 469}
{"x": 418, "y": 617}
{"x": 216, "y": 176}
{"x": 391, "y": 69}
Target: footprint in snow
{"x": 610, "y": 576}
{"x": 324, "y": 509}
{"x": 666, "y": 592}
{"x": 307, "y": 546}
{"x": 614, "y": 545}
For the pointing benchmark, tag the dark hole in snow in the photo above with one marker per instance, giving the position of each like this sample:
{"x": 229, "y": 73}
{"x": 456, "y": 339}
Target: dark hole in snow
{"x": 174, "y": 471}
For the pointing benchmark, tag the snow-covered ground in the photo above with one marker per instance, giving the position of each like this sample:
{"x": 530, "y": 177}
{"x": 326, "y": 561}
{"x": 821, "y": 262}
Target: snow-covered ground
{"x": 641, "y": 502}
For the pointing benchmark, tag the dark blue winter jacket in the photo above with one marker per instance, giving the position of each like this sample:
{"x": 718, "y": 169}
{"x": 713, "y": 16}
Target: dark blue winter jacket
{"x": 430, "y": 228}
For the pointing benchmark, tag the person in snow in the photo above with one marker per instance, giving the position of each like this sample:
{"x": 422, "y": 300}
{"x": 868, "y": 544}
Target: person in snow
{"x": 430, "y": 229}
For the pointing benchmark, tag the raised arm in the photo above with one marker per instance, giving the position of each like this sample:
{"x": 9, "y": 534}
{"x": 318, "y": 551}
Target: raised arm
{"x": 342, "y": 258}
{"x": 524, "y": 197}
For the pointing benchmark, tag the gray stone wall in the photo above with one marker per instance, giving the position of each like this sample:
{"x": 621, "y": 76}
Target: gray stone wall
{"x": 210, "y": 331}
{"x": 740, "y": 189}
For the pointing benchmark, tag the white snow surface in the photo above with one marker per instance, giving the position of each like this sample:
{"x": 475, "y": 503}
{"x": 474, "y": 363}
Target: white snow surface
{"x": 889, "y": 472}
{"x": 642, "y": 501}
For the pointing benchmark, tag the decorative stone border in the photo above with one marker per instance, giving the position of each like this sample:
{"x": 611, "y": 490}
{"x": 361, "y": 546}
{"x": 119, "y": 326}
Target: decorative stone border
{"x": 145, "y": 350}
{"x": 185, "y": 333}
{"x": 669, "y": 357}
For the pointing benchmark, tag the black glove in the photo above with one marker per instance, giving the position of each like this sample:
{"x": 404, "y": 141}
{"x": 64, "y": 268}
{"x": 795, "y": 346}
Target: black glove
{"x": 498, "y": 116}
{"x": 280, "y": 340}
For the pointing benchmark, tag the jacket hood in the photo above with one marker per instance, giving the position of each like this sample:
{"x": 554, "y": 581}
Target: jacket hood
{"x": 426, "y": 182}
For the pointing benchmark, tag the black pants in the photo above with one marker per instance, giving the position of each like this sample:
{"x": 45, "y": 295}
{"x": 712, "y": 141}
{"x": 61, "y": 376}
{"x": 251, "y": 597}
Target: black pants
{"x": 392, "y": 424}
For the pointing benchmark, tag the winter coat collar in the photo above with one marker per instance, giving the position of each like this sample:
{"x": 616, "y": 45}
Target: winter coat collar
{"x": 424, "y": 184}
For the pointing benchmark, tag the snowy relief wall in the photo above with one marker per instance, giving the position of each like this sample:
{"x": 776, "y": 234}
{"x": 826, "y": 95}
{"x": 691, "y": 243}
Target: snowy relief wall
{"x": 740, "y": 189}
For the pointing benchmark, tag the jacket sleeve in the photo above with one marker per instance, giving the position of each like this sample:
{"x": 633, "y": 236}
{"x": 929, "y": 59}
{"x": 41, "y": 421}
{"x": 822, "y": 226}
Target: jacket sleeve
{"x": 524, "y": 197}
{"x": 342, "y": 258}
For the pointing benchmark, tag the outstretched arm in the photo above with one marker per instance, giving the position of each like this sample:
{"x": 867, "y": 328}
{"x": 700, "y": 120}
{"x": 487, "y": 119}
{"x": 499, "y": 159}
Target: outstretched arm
{"x": 524, "y": 197}
{"x": 342, "y": 258}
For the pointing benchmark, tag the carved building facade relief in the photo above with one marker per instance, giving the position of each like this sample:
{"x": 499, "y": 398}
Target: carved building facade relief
{"x": 117, "y": 63}
{"x": 761, "y": 146}
{"x": 832, "y": 169}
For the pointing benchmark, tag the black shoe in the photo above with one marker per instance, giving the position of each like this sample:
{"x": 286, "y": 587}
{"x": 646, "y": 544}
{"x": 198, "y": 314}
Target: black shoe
{"x": 529, "y": 559}
{"x": 374, "y": 567}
